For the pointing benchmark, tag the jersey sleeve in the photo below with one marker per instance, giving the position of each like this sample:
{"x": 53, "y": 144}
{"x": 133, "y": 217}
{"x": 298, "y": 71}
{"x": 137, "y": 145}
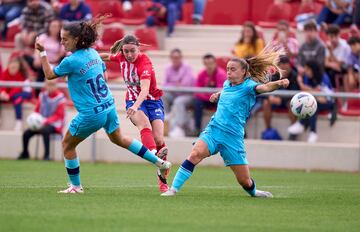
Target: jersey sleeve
{"x": 115, "y": 57}
{"x": 145, "y": 70}
{"x": 251, "y": 87}
{"x": 64, "y": 68}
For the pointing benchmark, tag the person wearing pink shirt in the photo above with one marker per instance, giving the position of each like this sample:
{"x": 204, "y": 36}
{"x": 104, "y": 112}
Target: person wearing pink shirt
{"x": 211, "y": 77}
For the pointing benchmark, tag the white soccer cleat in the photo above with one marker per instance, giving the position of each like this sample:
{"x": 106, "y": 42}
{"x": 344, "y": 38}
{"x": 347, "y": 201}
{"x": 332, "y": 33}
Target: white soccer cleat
{"x": 73, "y": 189}
{"x": 169, "y": 193}
{"x": 164, "y": 168}
{"x": 266, "y": 194}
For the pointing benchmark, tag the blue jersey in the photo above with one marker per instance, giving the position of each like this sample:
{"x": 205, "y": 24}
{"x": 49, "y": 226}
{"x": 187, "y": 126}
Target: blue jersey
{"x": 87, "y": 86}
{"x": 234, "y": 107}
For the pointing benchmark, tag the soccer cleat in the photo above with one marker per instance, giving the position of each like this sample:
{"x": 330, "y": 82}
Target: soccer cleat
{"x": 266, "y": 194}
{"x": 73, "y": 189}
{"x": 162, "y": 182}
{"x": 169, "y": 193}
{"x": 164, "y": 168}
{"x": 162, "y": 152}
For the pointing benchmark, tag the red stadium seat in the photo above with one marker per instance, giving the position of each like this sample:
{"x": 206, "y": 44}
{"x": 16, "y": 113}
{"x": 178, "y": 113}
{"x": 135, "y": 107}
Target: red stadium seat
{"x": 187, "y": 12}
{"x": 353, "y": 107}
{"x": 258, "y": 9}
{"x": 137, "y": 15}
{"x": 222, "y": 61}
{"x": 148, "y": 37}
{"x": 226, "y": 12}
{"x": 110, "y": 36}
{"x": 275, "y": 13}
{"x": 112, "y": 7}
{"x": 10, "y": 36}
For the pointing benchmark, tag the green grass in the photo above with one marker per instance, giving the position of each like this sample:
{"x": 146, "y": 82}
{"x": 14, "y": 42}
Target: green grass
{"x": 124, "y": 197}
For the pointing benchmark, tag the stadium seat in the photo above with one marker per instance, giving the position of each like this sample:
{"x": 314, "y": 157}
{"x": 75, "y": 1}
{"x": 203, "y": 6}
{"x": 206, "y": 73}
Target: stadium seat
{"x": 137, "y": 15}
{"x": 258, "y": 9}
{"x": 226, "y": 12}
{"x": 148, "y": 37}
{"x": 353, "y": 107}
{"x": 275, "y": 13}
{"x": 222, "y": 61}
{"x": 112, "y": 7}
{"x": 187, "y": 12}
{"x": 110, "y": 36}
{"x": 10, "y": 36}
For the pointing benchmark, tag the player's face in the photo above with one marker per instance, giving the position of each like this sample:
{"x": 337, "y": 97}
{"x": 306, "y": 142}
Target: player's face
{"x": 131, "y": 52}
{"x": 235, "y": 73}
{"x": 68, "y": 41}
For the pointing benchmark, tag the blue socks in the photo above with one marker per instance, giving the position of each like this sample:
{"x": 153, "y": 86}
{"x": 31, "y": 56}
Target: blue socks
{"x": 185, "y": 171}
{"x": 139, "y": 149}
{"x": 252, "y": 190}
{"x": 73, "y": 170}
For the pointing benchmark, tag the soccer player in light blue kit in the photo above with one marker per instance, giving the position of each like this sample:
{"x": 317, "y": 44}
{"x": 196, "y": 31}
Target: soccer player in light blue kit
{"x": 225, "y": 131}
{"x": 91, "y": 96}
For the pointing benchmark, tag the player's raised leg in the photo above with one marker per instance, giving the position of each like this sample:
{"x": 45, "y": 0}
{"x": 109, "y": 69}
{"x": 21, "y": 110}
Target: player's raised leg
{"x": 242, "y": 175}
{"x": 199, "y": 152}
{"x": 72, "y": 163}
{"x": 139, "y": 149}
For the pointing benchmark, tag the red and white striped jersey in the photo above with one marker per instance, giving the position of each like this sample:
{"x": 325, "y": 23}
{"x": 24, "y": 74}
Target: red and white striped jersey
{"x": 141, "y": 69}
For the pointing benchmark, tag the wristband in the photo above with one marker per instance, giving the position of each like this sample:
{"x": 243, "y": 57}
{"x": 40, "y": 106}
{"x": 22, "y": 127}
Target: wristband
{"x": 43, "y": 53}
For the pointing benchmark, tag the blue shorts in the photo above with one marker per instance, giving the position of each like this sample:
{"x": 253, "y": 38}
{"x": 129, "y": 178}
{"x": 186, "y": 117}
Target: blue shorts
{"x": 84, "y": 125}
{"x": 232, "y": 150}
{"x": 153, "y": 109}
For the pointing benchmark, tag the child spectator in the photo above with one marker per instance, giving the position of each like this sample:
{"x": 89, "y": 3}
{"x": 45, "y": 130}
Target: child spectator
{"x": 274, "y": 102}
{"x": 178, "y": 74}
{"x": 249, "y": 44}
{"x": 337, "y": 52}
{"x": 353, "y": 78}
{"x": 16, "y": 71}
{"x": 75, "y": 10}
{"x": 211, "y": 77}
{"x": 51, "y": 105}
{"x": 314, "y": 80}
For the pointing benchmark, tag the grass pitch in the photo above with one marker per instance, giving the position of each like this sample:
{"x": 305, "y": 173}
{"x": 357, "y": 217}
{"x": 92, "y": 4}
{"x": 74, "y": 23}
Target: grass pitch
{"x": 124, "y": 197}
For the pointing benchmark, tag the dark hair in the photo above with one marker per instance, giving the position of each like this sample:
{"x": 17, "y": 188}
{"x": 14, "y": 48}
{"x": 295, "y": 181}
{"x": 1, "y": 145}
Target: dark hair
{"x": 317, "y": 72}
{"x": 86, "y": 32}
{"x": 284, "y": 60}
{"x": 209, "y": 56}
{"x": 310, "y": 26}
{"x": 255, "y": 34}
{"x": 127, "y": 39}
{"x": 48, "y": 29}
{"x": 257, "y": 67}
{"x": 333, "y": 30}
{"x": 354, "y": 40}
{"x": 176, "y": 50}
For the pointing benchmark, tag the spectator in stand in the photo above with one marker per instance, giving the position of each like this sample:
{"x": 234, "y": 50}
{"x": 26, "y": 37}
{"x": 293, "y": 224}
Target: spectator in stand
{"x": 164, "y": 12}
{"x": 336, "y": 12}
{"x": 311, "y": 49}
{"x": 287, "y": 39}
{"x": 52, "y": 43}
{"x": 75, "y": 10}
{"x": 211, "y": 77}
{"x": 249, "y": 44}
{"x": 16, "y": 71}
{"x": 35, "y": 19}
{"x": 274, "y": 102}
{"x": 9, "y": 10}
{"x": 356, "y": 13}
{"x": 353, "y": 62}
{"x": 51, "y": 105}
{"x": 314, "y": 80}
{"x": 178, "y": 74}
{"x": 337, "y": 52}
{"x": 199, "y": 6}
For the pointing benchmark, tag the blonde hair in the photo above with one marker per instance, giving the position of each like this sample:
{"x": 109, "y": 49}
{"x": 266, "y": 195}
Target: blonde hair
{"x": 257, "y": 67}
{"x": 127, "y": 39}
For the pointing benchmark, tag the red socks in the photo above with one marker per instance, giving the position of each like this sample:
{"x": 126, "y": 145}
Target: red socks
{"x": 147, "y": 139}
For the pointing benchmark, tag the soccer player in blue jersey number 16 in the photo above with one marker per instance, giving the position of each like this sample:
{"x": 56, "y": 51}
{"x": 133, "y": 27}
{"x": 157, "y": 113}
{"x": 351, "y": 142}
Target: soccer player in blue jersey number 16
{"x": 91, "y": 96}
{"x": 225, "y": 131}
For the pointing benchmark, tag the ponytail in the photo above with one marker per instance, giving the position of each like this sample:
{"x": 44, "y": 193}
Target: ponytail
{"x": 127, "y": 39}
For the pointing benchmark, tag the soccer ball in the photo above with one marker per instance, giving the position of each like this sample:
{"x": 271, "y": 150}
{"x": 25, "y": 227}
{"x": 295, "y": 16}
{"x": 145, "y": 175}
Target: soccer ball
{"x": 35, "y": 121}
{"x": 303, "y": 105}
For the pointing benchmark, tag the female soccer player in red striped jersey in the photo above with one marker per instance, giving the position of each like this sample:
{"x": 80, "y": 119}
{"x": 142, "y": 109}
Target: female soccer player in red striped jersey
{"x": 144, "y": 106}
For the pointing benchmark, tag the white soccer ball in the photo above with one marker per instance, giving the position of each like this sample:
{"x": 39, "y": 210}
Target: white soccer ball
{"x": 35, "y": 121}
{"x": 303, "y": 105}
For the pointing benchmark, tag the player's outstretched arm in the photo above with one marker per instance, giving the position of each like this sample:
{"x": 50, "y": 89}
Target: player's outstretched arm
{"x": 49, "y": 73}
{"x": 215, "y": 97}
{"x": 105, "y": 56}
{"x": 271, "y": 86}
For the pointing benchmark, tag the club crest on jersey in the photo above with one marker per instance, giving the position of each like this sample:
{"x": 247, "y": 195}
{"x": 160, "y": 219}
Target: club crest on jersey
{"x": 146, "y": 73}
